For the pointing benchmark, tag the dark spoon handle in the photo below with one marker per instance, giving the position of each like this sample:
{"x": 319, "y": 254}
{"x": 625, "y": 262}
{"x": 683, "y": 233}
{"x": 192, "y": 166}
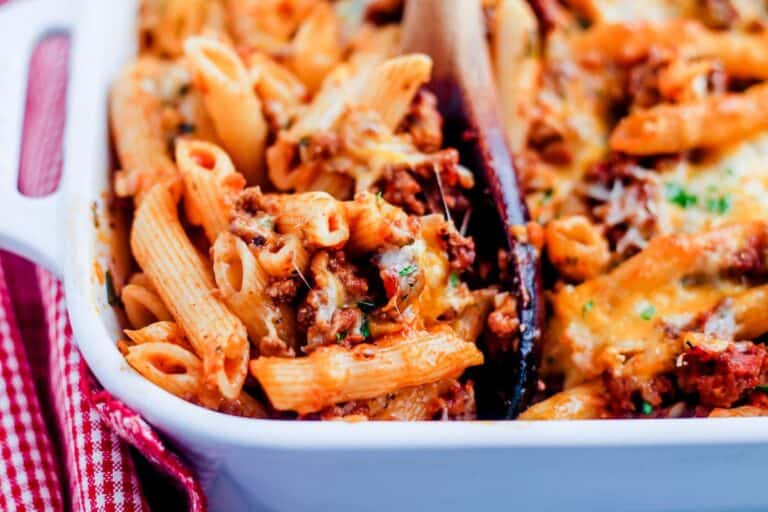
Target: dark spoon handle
{"x": 452, "y": 33}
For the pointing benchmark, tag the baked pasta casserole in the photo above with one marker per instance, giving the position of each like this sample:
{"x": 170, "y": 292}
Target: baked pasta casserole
{"x": 304, "y": 243}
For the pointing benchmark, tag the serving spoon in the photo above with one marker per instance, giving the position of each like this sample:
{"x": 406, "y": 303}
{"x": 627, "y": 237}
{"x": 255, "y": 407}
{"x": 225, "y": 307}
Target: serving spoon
{"x": 452, "y": 33}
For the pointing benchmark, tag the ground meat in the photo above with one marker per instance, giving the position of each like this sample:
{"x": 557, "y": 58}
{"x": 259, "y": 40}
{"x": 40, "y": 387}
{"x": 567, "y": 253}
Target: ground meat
{"x": 284, "y": 290}
{"x": 456, "y": 403}
{"x": 274, "y": 347}
{"x": 347, "y": 273}
{"x": 402, "y": 189}
{"x": 642, "y": 82}
{"x": 418, "y": 190}
{"x": 319, "y": 146}
{"x": 549, "y": 143}
{"x": 719, "y": 13}
{"x": 749, "y": 261}
{"x": 324, "y": 320}
{"x": 248, "y": 220}
{"x": 501, "y": 336}
{"x": 460, "y": 249}
{"x": 628, "y": 396}
{"x": 624, "y": 198}
{"x": 424, "y": 123}
{"x": 720, "y": 379}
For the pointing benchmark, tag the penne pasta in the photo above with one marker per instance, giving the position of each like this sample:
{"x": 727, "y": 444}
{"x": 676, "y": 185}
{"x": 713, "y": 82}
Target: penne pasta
{"x": 515, "y": 49}
{"x": 230, "y": 101}
{"x": 136, "y": 119}
{"x": 143, "y": 306}
{"x": 211, "y": 184}
{"x": 316, "y": 216}
{"x": 709, "y": 122}
{"x": 374, "y": 224}
{"x": 316, "y": 47}
{"x": 182, "y": 280}
{"x": 333, "y": 374}
{"x": 393, "y": 86}
{"x": 243, "y": 284}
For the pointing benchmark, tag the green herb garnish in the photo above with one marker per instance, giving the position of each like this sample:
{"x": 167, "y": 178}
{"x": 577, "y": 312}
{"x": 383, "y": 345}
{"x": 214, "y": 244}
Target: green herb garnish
{"x": 648, "y": 312}
{"x": 365, "y": 329}
{"x": 453, "y": 280}
{"x": 719, "y": 205}
{"x": 366, "y": 306}
{"x": 340, "y": 336}
{"x": 407, "y": 271}
{"x": 646, "y": 408}
{"x": 587, "y": 307}
{"x": 112, "y": 297}
{"x": 762, "y": 387}
{"x": 547, "y": 196}
{"x": 678, "y": 195}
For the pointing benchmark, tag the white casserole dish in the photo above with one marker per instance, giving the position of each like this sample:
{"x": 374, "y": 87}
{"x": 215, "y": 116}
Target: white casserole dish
{"x": 681, "y": 464}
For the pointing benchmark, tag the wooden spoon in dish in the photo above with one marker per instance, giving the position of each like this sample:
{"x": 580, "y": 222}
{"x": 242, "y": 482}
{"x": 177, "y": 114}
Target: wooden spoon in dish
{"x": 452, "y": 33}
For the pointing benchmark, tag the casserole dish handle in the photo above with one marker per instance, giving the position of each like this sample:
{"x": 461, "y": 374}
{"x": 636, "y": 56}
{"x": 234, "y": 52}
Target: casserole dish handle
{"x": 29, "y": 226}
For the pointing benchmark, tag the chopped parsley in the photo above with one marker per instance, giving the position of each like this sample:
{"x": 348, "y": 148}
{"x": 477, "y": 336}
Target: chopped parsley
{"x": 587, "y": 307}
{"x": 646, "y": 408}
{"x": 762, "y": 387}
{"x": 677, "y": 194}
{"x": 407, "y": 271}
{"x": 267, "y": 222}
{"x": 719, "y": 205}
{"x": 453, "y": 280}
{"x": 366, "y": 306}
{"x": 547, "y": 196}
{"x": 729, "y": 171}
{"x": 365, "y": 329}
{"x": 340, "y": 336}
{"x": 112, "y": 297}
{"x": 648, "y": 312}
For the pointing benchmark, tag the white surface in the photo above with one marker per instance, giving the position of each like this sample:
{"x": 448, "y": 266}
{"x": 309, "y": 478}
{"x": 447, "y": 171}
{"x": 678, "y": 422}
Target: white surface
{"x": 25, "y": 223}
{"x": 695, "y": 465}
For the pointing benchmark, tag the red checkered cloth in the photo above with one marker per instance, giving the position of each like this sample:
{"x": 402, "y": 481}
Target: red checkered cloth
{"x": 65, "y": 443}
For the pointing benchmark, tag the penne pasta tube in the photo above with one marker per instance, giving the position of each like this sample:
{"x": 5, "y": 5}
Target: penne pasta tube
{"x": 335, "y": 374}
{"x": 515, "y": 48}
{"x": 284, "y": 257}
{"x": 749, "y": 311}
{"x": 274, "y": 82}
{"x": 231, "y": 103}
{"x": 741, "y": 54}
{"x": 181, "y": 278}
{"x": 164, "y": 331}
{"x": 137, "y": 123}
{"x": 584, "y": 402}
{"x": 243, "y": 285}
{"x": 211, "y": 184}
{"x": 316, "y": 216}
{"x": 711, "y": 121}
{"x": 179, "y": 371}
{"x": 181, "y": 19}
{"x": 393, "y": 86}
{"x": 143, "y": 305}
{"x": 374, "y": 223}
{"x": 169, "y": 366}
{"x": 326, "y": 106}
{"x": 316, "y": 47}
